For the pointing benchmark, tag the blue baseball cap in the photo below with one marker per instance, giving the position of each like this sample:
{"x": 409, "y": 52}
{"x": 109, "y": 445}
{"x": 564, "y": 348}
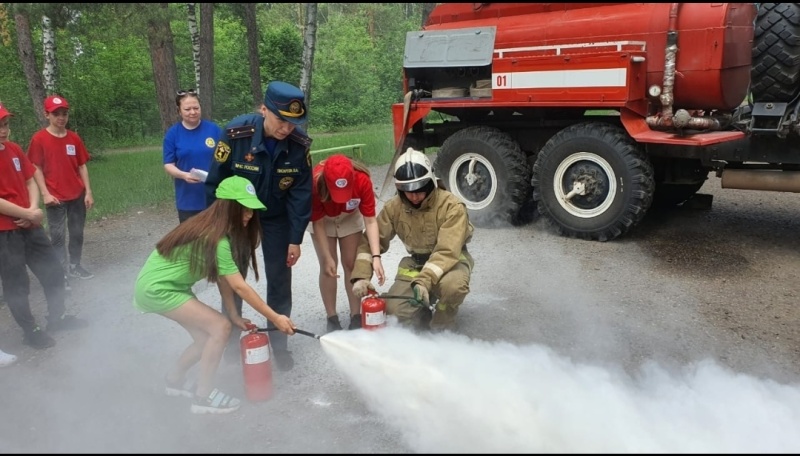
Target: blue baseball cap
{"x": 286, "y": 101}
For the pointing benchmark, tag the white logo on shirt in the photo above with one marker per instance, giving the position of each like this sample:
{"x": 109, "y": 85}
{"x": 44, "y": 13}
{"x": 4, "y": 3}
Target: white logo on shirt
{"x": 17, "y": 166}
{"x": 352, "y": 204}
{"x": 70, "y": 149}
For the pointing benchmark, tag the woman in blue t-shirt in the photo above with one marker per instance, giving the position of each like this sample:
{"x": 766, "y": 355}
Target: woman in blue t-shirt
{"x": 189, "y": 145}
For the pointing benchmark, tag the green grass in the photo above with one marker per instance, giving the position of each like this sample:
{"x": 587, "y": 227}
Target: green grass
{"x": 378, "y": 139}
{"x": 125, "y": 181}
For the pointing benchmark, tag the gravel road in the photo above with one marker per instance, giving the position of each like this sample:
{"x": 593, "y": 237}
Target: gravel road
{"x": 686, "y": 287}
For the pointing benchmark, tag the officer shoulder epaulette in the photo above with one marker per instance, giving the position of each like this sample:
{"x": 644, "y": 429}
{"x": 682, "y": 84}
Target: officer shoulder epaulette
{"x": 300, "y": 137}
{"x": 240, "y": 132}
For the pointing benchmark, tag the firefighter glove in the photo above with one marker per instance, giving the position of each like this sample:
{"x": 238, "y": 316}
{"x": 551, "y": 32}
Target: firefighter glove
{"x": 362, "y": 287}
{"x": 421, "y": 294}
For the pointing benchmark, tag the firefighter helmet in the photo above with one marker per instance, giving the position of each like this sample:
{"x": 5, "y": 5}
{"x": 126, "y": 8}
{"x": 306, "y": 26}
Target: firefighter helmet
{"x": 413, "y": 171}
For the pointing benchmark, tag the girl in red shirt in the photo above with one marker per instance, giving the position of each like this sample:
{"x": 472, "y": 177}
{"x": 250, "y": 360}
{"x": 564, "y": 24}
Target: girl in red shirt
{"x": 342, "y": 210}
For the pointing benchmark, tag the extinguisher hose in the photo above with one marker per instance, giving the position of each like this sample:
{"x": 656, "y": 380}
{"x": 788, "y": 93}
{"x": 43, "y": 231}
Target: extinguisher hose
{"x": 413, "y": 301}
{"x": 298, "y": 331}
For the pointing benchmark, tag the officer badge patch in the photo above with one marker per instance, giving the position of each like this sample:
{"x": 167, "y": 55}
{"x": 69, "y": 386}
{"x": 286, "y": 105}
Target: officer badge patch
{"x": 285, "y": 183}
{"x": 295, "y": 107}
{"x": 222, "y": 152}
{"x": 249, "y": 157}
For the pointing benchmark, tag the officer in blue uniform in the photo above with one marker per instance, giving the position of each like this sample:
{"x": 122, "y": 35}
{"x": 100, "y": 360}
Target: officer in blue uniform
{"x": 269, "y": 149}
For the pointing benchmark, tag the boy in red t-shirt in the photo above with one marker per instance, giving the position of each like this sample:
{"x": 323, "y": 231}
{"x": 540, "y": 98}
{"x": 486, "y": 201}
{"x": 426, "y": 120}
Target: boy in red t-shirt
{"x": 61, "y": 157}
{"x": 23, "y": 243}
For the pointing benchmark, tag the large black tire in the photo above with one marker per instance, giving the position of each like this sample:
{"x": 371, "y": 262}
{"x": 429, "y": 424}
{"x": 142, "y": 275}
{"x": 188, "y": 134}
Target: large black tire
{"x": 616, "y": 175}
{"x": 776, "y": 53}
{"x": 486, "y": 169}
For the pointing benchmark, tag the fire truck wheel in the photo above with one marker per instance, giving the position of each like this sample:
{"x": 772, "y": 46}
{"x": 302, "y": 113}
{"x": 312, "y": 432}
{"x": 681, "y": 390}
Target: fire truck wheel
{"x": 485, "y": 168}
{"x": 592, "y": 181}
{"x": 775, "y": 72}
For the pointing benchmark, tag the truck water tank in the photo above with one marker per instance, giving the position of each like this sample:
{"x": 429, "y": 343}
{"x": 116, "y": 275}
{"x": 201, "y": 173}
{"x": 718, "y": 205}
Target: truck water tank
{"x": 715, "y": 40}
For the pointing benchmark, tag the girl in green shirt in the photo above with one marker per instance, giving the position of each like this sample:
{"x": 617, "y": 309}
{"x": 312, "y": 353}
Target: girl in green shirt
{"x": 215, "y": 245}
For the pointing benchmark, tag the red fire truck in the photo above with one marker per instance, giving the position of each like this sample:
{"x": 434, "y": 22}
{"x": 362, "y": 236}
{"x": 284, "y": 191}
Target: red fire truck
{"x": 592, "y": 113}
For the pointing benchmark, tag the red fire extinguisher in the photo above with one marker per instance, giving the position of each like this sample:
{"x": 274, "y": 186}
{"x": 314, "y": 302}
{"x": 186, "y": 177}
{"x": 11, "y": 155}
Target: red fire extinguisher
{"x": 256, "y": 365}
{"x": 373, "y": 311}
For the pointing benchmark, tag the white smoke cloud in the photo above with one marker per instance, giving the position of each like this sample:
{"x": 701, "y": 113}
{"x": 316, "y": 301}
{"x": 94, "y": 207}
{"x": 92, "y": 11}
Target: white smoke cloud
{"x": 449, "y": 393}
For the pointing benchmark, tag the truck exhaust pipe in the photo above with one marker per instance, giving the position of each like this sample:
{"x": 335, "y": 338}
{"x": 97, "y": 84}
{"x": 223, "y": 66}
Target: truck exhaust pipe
{"x": 761, "y": 179}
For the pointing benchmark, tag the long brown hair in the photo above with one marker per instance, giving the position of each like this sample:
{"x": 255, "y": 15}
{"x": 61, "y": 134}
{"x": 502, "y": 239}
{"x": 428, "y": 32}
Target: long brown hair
{"x": 203, "y": 232}
{"x": 322, "y": 187}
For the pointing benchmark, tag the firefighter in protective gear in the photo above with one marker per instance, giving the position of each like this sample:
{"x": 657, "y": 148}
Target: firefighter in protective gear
{"x": 434, "y": 226}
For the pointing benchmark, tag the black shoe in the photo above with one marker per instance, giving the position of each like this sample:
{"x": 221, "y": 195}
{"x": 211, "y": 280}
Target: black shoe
{"x": 333, "y": 323}
{"x": 38, "y": 339}
{"x": 283, "y": 360}
{"x": 355, "y": 322}
{"x": 66, "y": 322}
{"x": 77, "y": 270}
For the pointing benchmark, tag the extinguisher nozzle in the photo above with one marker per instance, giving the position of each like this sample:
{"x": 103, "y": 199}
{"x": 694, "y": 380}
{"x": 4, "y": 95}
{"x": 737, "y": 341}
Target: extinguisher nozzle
{"x": 306, "y": 333}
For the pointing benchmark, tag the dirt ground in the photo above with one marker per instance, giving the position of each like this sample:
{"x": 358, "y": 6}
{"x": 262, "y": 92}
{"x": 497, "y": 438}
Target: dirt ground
{"x": 685, "y": 285}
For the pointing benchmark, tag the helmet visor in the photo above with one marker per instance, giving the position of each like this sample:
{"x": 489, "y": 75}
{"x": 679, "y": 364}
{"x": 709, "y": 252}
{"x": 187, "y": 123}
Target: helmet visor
{"x": 413, "y": 185}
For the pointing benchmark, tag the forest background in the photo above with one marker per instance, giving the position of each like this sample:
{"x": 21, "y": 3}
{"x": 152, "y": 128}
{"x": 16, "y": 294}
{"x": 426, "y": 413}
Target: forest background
{"x": 120, "y": 64}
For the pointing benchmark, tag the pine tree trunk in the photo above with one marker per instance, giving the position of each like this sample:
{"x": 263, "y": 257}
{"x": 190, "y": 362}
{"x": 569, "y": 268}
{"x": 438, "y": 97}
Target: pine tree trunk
{"x": 162, "y": 56}
{"x": 28, "y": 59}
{"x": 207, "y": 59}
{"x": 252, "y": 53}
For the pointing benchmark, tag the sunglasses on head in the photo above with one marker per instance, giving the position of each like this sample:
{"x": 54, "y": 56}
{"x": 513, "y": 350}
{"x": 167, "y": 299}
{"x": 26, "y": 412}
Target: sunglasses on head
{"x": 181, "y": 92}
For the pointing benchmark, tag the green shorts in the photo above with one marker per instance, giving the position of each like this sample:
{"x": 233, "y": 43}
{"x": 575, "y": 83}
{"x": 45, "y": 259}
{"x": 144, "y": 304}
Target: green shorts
{"x": 159, "y": 301}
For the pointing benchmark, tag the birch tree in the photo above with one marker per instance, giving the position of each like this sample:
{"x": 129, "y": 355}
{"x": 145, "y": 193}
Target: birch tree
{"x": 309, "y": 45}
{"x": 50, "y": 64}
{"x": 194, "y": 35}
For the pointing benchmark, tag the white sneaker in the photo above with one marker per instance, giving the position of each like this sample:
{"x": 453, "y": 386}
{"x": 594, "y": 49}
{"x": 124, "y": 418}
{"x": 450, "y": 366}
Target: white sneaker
{"x": 7, "y": 359}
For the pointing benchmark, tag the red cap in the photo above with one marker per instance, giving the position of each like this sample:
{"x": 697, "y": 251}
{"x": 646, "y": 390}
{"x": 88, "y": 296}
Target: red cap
{"x": 54, "y": 102}
{"x": 4, "y": 112}
{"x": 338, "y": 174}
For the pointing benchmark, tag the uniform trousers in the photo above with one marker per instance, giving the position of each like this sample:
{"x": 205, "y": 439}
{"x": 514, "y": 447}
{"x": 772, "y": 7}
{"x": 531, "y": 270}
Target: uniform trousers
{"x": 274, "y": 245}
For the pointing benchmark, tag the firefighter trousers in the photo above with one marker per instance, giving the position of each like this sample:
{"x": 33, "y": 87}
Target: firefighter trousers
{"x": 448, "y": 294}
